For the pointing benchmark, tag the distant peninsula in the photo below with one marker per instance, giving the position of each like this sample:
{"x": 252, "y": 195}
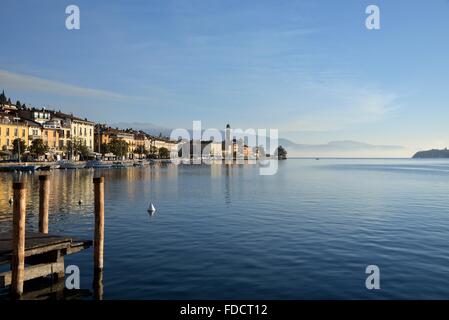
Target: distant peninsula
{"x": 434, "y": 153}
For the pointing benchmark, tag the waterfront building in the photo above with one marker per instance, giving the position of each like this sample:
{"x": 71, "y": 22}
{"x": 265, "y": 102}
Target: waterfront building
{"x": 161, "y": 142}
{"x": 11, "y": 128}
{"x": 81, "y": 129}
{"x": 34, "y": 131}
{"x": 50, "y": 137}
{"x": 40, "y": 116}
{"x": 67, "y": 126}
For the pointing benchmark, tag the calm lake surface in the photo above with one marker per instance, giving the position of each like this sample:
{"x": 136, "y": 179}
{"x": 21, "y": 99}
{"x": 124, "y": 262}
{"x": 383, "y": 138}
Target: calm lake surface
{"x": 225, "y": 232}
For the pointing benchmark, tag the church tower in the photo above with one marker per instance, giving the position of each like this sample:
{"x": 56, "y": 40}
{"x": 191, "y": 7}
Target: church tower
{"x": 228, "y": 141}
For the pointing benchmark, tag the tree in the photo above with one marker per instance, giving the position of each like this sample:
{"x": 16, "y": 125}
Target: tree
{"x": 118, "y": 147}
{"x": 78, "y": 147}
{"x": 38, "y": 148}
{"x": 281, "y": 153}
{"x": 18, "y": 146}
{"x": 3, "y": 98}
{"x": 153, "y": 152}
{"x": 164, "y": 153}
{"x": 140, "y": 150}
{"x": 105, "y": 148}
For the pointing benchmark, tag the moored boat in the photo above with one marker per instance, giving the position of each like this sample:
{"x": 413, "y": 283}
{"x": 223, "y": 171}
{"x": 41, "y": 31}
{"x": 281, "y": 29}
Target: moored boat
{"x": 20, "y": 168}
{"x": 98, "y": 164}
{"x": 122, "y": 164}
{"x": 48, "y": 167}
{"x": 67, "y": 164}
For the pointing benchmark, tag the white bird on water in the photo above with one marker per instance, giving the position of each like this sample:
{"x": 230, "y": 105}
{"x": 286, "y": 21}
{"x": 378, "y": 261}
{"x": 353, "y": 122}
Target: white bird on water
{"x": 151, "y": 208}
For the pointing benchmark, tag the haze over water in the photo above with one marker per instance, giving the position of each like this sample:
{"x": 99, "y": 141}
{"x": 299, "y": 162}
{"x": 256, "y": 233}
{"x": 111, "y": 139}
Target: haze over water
{"x": 225, "y": 232}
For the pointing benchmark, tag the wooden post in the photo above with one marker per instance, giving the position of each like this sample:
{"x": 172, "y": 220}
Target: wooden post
{"x": 44, "y": 197}
{"x": 18, "y": 239}
{"x": 98, "y": 285}
{"x": 99, "y": 223}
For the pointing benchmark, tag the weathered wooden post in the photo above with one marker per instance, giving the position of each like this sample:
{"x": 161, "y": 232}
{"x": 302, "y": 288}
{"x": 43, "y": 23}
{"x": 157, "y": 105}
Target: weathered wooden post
{"x": 18, "y": 239}
{"x": 99, "y": 223}
{"x": 44, "y": 197}
{"x": 98, "y": 284}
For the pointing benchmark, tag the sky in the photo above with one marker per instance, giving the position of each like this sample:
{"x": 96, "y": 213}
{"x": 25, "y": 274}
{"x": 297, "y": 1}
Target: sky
{"x": 309, "y": 68}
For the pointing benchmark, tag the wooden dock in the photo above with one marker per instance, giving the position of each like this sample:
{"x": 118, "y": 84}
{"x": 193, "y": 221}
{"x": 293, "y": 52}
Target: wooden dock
{"x": 33, "y": 255}
{"x": 44, "y": 254}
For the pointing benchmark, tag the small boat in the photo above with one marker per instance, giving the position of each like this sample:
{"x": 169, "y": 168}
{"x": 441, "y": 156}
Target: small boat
{"x": 140, "y": 164}
{"x": 98, "y": 164}
{"x": 48, "y": 167}
{"x": 18, "y": 168}
{"x": 121, "y": 164}
{"x": 66, "y": 164}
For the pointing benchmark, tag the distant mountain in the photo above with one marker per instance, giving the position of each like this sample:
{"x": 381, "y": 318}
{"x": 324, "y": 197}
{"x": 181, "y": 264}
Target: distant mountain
{"x": 345, "y": 148}
{"x": 434, "y": 153}
{"x": 338, "y": 145}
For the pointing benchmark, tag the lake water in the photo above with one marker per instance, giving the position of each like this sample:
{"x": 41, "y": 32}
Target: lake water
{"x": 225, "y": 232}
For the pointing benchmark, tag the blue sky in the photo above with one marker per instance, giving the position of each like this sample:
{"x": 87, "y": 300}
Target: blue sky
{"x": 309, "y": 68}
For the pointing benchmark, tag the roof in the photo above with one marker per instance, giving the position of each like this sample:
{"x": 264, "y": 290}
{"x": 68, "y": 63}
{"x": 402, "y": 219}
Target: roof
{"x": 59, "y": 114}
{"x": 70, "y": 116}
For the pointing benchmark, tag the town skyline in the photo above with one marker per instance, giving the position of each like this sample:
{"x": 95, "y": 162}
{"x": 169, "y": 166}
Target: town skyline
{"x": 254, "y": 64}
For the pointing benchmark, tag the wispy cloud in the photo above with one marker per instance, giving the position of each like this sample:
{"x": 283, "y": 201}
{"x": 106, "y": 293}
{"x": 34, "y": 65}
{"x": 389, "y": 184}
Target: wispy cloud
{"x": 31, "y": 83}
{"x": 335, "y": 106}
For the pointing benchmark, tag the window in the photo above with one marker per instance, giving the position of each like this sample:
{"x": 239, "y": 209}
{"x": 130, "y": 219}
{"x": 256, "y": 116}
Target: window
{"x": 7, "y": 131}
{"x": 15, "y": 132}
{"x": 7, "y": 142}
{"x": 23, "y": 132}
{"x": 91, "y": 132}
{"x": 85, "y": 133}
{"x": 81, "y": 131}
{"x": 54, "y": 135}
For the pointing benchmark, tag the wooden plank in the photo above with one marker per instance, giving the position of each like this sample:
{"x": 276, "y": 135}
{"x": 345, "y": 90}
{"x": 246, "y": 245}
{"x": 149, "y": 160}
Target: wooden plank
{"x": 33, "y": 272}
{"x": 45, "y": 293}
{"x": 78, "y": 246}
{"x": 33, "y": 241}
{"x": 37, "y": 244}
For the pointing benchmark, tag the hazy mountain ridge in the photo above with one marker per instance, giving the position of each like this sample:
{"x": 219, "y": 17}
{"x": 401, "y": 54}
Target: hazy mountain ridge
{"x": 338, "y": 145}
